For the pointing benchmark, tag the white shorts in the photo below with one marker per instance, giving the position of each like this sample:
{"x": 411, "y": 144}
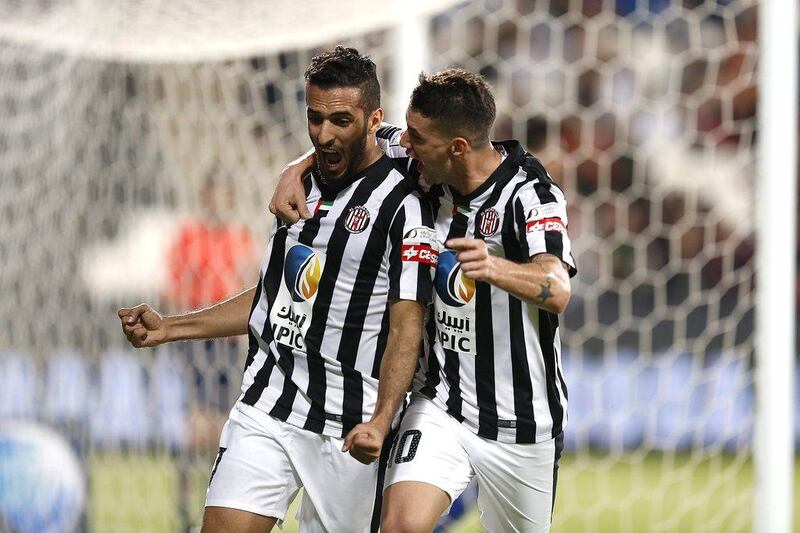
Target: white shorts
{"x": 263, "y": 462}
{"x": 516, "y": 482}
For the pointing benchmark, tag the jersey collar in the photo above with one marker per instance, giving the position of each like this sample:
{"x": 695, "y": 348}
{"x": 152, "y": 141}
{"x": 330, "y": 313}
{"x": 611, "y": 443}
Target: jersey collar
{"x": 507, "y": 169}
{"x": 378, "y": 169}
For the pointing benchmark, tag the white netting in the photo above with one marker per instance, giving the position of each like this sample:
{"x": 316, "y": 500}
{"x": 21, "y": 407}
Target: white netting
{"x": 184, "y": 30}
{"x": 137, "y": 136}
{"x": 644, "y": 112}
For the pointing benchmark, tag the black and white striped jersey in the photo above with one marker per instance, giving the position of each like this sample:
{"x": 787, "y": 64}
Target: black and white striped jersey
{"x": 320, "y": 319}
{"x": 494, "y": 361}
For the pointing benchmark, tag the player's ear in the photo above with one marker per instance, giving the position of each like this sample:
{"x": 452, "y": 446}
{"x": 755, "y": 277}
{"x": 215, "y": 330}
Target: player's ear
{"x": 374, "y": 121}
{"x": 459, "y": 146}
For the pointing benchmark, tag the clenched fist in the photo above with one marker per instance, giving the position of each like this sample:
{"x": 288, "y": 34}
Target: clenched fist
{"x": 143, "y": 326}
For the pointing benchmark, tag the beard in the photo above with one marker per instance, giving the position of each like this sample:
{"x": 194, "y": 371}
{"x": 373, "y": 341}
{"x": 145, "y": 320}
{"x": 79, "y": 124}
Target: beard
{"x": 353, "y": 154}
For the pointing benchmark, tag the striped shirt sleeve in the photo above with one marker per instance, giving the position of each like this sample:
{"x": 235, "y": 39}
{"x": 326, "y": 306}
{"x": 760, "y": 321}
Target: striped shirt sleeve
{"x": 540, "y": 213}
{"x": 413, "y": 251}
{"x": 388, "y": 137}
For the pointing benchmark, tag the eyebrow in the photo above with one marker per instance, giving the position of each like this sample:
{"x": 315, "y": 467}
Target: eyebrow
{"x": 334, "y": 115}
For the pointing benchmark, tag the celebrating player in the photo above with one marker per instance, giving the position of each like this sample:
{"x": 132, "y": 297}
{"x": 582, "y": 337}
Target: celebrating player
{"x": 339, "y": 304}
{"x": 489, "y": 400}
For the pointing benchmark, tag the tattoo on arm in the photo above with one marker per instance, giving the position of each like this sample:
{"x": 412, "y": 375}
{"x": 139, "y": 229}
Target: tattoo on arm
{"x": 546, "y": 292}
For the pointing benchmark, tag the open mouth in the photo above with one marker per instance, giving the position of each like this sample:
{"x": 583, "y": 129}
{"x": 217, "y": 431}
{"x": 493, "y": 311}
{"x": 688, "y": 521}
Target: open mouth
{"x": 420, "y": 164}
{"x": 331, "y": 160}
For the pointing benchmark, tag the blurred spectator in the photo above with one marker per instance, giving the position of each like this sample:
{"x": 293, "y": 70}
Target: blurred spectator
{"x": 211, "y": 259}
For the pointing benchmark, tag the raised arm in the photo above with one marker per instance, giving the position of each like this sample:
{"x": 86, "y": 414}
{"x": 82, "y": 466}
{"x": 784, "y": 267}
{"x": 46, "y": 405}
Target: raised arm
{"x": 144, "y": 327}
{"x": 544, "y": 282}
{"x": 399, "y": 362}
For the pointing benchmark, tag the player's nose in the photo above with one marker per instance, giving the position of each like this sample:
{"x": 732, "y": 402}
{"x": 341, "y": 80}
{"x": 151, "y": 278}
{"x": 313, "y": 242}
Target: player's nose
{"x": 325, "y": 136}
{"x": 404, "y": 142}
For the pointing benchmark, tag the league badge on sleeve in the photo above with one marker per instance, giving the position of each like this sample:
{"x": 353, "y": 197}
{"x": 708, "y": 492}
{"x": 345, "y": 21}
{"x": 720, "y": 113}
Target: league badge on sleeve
{"x": 419, "y": 245}
{"x": 548, "y": 217}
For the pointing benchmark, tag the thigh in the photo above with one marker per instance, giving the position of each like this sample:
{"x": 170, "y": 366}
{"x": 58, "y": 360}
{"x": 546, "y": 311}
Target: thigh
{"x": 427, "y": 451}
{"x": 252, "y": 471}
{"x": 516, "y": 483}
{"x": 340, "y": 493}
{"x": 412, "y": 506}
{"x": 225, "y": 520}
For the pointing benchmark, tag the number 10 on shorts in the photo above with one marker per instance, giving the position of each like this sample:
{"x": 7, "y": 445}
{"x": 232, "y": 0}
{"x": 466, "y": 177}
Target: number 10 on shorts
{"x": 404, "y": 447}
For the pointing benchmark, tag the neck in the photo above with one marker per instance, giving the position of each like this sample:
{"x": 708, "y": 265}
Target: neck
{"x": 371, "y": 154}
{"x": 476, "y": 168}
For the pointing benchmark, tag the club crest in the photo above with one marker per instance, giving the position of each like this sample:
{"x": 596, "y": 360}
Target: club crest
{"x": 356, "y": 219}
{"x": 488, "y": 222}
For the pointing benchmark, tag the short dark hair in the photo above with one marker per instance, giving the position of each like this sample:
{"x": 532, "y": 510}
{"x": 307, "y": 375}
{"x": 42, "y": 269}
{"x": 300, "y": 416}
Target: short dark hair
{"x": 345, "y": 67}
{"x": 460, "y": 101}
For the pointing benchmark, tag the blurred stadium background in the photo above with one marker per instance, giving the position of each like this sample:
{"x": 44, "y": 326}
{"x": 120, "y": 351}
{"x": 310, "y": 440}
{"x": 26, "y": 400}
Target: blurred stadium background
{"x": 139, "y": 143}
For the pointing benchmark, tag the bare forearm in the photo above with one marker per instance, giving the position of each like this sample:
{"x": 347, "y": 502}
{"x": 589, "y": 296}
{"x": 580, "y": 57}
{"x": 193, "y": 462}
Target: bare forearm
{"x": 397, "y": 371}
{"x": 224, "y": 319}
{"x": 542, "y": 282}
{"x": 301, "y": 166}
{"x": 398, "y": 365}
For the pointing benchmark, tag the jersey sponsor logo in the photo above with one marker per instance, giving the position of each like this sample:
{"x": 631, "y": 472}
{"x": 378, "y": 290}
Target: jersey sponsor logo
{"x": 453, "y": 287}
{"x": 290, "y": 313}
{"x": 546, "y": 224}
{"x": 302, "y": 272}
{"x": 356, "y": 219}
{"x": 419, "y": 253}
{"x": 455, "y": 307}
{"x": 489, "y": 222}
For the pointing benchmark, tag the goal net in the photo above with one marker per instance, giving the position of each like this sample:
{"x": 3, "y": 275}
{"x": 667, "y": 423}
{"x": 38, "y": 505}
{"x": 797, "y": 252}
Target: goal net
{"x": 138, "y": 150}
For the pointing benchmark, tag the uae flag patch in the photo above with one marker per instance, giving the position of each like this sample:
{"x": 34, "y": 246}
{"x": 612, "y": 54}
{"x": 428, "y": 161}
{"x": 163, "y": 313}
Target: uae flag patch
{"x": 323, "y": 206}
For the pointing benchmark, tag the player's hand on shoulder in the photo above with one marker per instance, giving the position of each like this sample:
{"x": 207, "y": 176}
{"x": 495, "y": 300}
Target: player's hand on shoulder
{"x": 142, "y": 325}
{"x": 364, "y": 442}
{"x": 289, "y": 200}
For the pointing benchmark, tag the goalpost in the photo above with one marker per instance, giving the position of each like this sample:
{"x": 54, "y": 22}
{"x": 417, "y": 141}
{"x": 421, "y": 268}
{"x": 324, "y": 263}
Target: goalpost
{"x": 125, "y": 126}
{"x": 776, "y": 266}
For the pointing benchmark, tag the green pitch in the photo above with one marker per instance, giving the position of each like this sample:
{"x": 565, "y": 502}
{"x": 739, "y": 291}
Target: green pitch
{"x": 602, "y": 494}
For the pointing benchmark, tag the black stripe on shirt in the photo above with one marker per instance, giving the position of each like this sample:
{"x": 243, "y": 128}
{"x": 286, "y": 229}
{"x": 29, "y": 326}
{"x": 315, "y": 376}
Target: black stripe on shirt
{"x": 383, "y": 338}
{"x": 283, "y": 405}
{"x": 252, "y": 343}
{"x": 358, "y": 306}
{"x": 424, "y": 281}
{"x": 432, "y": 373}
{"x": 521, "y": 376}
{"x": 484, "y": 362}
{"x": 396, "y": 266}
{"x": 548, "y": 323}
{"x": 452, "y": 367}
{"x": 270, "y": 286}
{"x": 317, "y": 381}
{"x": 387, "y": 132}
{"x": 452, "y": 364}
{"x": 520, "y": 370}
{"x": 383, "y": 461}
{"x": 553, "y": 240}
